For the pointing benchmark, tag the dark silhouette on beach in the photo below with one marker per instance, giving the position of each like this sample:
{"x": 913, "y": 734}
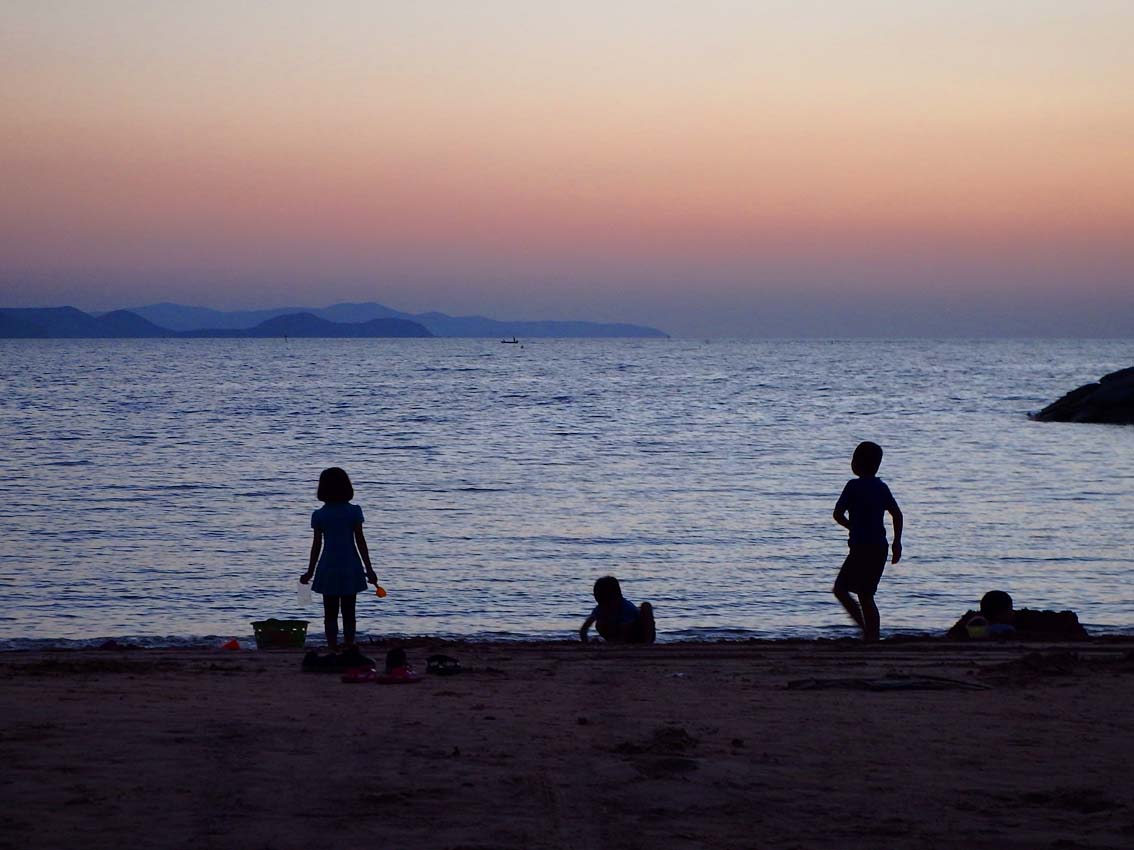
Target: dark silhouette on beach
{"x": 860, "y": 510}
{"x": 616, "y": 618}
{"x": 340, "y": 559}
{"x": 999, "y": 620}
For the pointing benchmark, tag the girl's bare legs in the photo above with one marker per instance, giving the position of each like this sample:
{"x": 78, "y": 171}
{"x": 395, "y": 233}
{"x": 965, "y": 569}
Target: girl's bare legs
{"x": 331, "y": 619}
{"x": 349, "y": 622}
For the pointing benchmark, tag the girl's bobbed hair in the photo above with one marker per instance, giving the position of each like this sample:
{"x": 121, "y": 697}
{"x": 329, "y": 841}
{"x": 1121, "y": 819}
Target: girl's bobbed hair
{"x": 334, "y": 486}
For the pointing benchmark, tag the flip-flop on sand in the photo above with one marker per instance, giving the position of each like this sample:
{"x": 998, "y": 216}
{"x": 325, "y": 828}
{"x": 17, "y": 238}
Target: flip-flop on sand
{"x": 398, "y": 676}
{"x": 358, "y": 675}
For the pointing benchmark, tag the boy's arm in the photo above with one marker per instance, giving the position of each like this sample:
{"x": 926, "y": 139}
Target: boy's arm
{"x": 840, "y": 513}
{"x": 586, "y": 627}
{"x": 316, "y": 548}
{"x": 896, "y": 546}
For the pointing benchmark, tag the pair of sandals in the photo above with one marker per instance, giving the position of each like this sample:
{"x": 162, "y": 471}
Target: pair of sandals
{"x": 397, "y": 676}
{"x": 402, "y": 673}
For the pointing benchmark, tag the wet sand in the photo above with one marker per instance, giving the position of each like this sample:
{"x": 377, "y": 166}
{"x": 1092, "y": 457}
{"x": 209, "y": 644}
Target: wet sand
{"x": 746, "y": 745}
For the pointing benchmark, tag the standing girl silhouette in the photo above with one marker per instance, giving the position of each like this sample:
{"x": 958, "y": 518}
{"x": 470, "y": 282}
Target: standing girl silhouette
{"x": 335, "y": 554}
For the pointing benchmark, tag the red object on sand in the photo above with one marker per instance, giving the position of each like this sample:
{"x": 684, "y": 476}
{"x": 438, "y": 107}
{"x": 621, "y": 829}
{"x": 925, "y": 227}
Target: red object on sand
{"x": 357, "y": 675}
{"x": 232, "y": 644}
{"x": 398, "y": 676}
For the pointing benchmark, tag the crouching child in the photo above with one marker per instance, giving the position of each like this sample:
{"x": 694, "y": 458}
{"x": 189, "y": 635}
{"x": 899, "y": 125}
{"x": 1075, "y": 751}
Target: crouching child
{"x": 616, "y": 618}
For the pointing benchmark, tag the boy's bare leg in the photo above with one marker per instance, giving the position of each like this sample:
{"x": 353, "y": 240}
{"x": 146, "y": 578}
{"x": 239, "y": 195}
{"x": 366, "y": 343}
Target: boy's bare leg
{"x": 851, "y": 606}
{"x": 649, "y": 629}
{"x": 870, "y": 621}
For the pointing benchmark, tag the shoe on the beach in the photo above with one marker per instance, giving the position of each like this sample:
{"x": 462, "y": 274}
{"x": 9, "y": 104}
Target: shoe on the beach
{"x": 334, "y": 662}
{"x": 398, "y": 676}
{"x": 359, "y": 675}
{"x": 395, "y": 658}
{"x": 352, "y": 657}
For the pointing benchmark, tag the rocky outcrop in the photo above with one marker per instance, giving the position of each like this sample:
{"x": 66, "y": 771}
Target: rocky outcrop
{"x": 1110, "y": 401}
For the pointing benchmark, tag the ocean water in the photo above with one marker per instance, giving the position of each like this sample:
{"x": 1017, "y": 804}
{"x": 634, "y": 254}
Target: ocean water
{"x": 162, "y": 489}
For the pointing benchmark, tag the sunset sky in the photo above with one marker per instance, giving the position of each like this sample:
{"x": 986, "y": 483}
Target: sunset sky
{"x": 713, "y": 168}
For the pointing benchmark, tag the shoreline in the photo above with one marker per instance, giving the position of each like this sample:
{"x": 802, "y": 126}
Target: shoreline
{"x": 770, "y": 744}
{"x": 315, "y": 641}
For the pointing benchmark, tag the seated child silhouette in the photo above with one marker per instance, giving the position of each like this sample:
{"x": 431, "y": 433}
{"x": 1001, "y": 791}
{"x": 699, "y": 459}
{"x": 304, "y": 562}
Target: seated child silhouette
{"x": 616, "y": 618}
{"x": 998, "y": 619}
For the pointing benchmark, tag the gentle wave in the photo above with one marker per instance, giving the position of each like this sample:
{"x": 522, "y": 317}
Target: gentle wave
{"x": 166, "y": 488}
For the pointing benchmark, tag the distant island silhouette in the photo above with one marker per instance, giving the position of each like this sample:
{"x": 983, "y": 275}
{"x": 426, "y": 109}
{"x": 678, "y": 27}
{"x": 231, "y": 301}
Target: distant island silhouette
{"x": 70, "y": 323}
{"x": 345, "y": 320}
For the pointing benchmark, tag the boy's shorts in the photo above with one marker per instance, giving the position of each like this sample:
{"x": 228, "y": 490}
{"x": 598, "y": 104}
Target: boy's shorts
{"x": 862, "y": 570}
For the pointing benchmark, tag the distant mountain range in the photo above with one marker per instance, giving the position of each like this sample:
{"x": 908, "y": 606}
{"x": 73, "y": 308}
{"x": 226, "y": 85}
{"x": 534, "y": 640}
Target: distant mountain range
{"x": 55, "y": 322}
{"x": 69, "y": 323}
{"x": 339, "y": 320}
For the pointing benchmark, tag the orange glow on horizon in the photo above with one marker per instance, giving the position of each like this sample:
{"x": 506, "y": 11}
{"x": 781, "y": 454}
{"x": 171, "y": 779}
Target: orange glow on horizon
{"x": 213, "y": 138}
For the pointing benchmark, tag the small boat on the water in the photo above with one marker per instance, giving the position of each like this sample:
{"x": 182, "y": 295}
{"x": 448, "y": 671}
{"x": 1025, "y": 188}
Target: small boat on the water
{"x": 512, "y": 341}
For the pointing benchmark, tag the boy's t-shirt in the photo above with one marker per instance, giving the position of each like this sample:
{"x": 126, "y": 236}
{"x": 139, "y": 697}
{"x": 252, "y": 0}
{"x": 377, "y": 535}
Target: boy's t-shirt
{"x": 866, "y": 500}
{"x": 627, "y": 613}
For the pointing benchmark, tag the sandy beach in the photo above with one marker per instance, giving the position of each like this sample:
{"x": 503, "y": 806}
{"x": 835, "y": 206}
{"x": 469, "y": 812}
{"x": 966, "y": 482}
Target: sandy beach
{"x": 744, "y": 745}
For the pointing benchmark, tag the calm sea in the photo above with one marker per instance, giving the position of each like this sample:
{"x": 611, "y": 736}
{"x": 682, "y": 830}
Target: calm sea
{"x": 162, "y": 489}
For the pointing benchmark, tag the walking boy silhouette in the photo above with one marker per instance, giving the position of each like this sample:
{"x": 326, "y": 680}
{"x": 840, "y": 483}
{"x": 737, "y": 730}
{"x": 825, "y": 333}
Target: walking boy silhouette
{"x": 865, "y": 499}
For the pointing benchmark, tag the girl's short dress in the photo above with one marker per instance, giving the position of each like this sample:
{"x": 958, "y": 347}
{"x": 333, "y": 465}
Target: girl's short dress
{"x": 339, "y": 571}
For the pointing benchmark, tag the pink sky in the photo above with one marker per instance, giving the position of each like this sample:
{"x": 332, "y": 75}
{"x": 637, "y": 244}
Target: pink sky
{"x": 684, "y": 164}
